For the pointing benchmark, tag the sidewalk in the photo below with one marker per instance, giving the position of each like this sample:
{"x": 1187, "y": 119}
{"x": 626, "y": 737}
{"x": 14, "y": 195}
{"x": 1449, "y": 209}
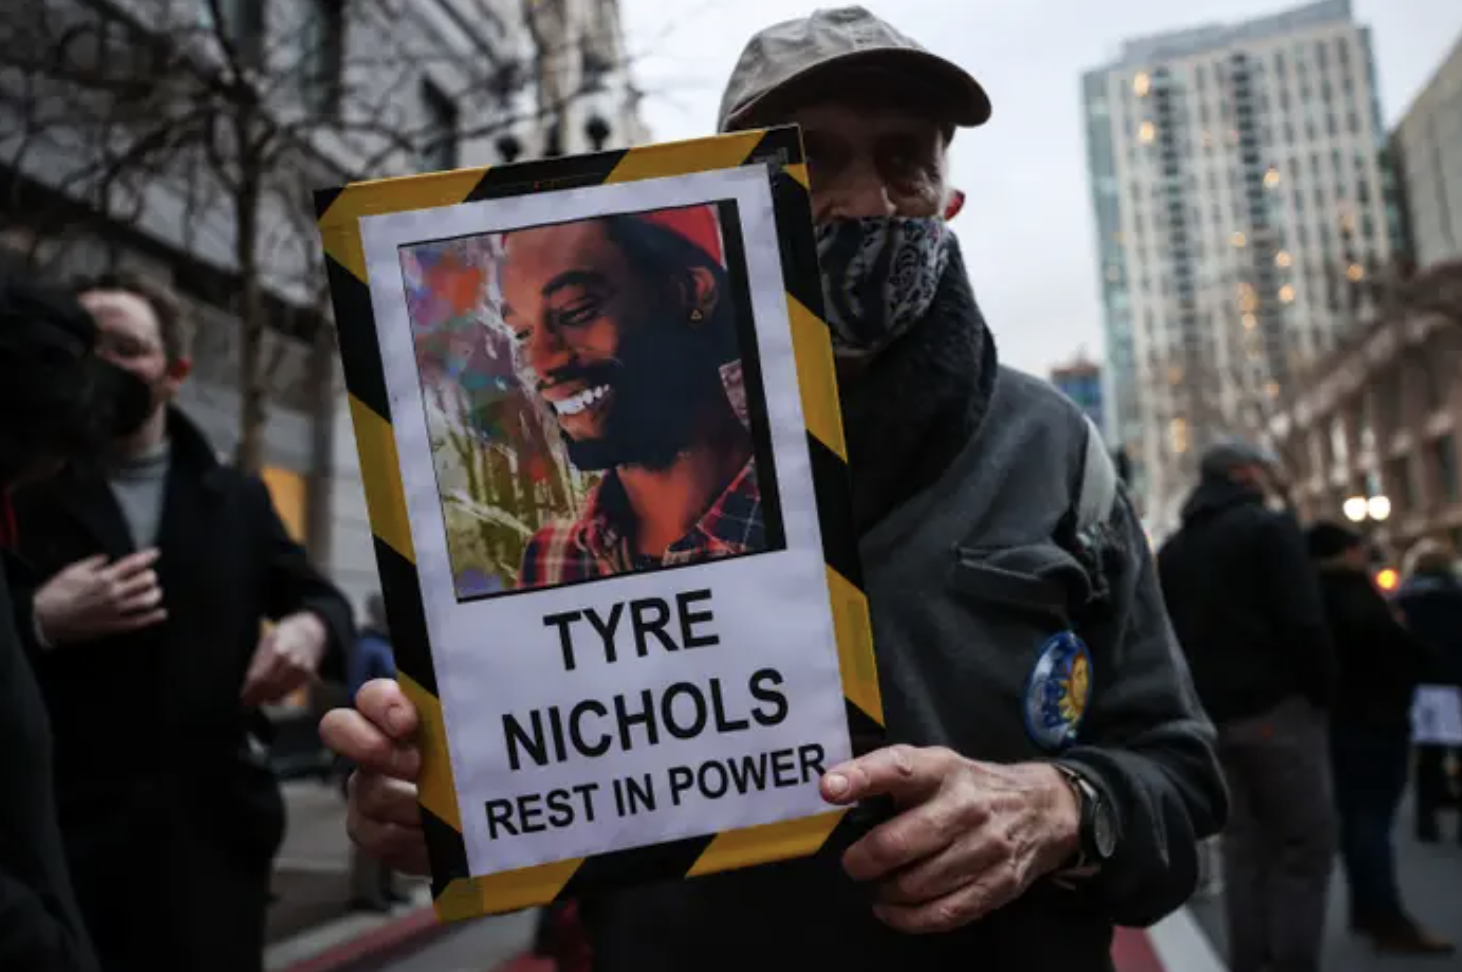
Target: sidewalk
{"x": 311, "y": 925}
{"x": 1430, "y": 876}
{"x": 312, "y": 872}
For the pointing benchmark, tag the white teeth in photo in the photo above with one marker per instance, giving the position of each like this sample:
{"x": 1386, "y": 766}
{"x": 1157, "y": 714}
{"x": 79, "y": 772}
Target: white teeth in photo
{"x": 575, "y": 404}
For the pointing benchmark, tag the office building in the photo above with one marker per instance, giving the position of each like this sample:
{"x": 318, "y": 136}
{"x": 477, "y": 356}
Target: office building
{"x": 1428, "y": 150}
{"x": 1379, "y": 419}
{"x": 1081, "y": 381}
{"x": 1241, "y": 202}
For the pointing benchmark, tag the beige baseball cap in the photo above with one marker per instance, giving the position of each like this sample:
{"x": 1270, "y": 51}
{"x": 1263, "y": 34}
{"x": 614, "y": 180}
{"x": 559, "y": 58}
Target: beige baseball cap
{"x": 798, "y": 54}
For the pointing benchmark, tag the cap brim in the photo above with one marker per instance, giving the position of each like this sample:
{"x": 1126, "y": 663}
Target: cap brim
{"x": 952, "y": 94}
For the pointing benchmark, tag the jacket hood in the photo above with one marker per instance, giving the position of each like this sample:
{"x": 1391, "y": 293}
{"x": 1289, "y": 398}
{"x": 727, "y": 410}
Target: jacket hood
{"x": 1216, "y": 495}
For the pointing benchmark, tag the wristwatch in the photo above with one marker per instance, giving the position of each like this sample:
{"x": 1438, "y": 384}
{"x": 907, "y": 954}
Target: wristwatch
{"x": 1097, "y": 831}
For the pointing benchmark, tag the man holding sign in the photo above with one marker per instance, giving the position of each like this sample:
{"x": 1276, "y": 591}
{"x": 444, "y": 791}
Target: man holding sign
{"x": 1052, "y": 772}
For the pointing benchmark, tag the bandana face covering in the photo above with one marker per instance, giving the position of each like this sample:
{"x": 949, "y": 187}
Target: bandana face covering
{"x": 879, "y": 276}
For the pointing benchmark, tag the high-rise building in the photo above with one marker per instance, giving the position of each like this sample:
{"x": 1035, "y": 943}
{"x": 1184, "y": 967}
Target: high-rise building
{"x": 1428, "y": 148}
{"x": 1081, "y": 381}
{"x": 1241, "y": 201}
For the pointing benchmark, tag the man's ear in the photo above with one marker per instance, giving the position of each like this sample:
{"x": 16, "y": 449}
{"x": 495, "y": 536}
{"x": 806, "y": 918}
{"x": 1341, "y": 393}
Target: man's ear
{"x": 703, "y": 294}
{"x": 955, "y": 203}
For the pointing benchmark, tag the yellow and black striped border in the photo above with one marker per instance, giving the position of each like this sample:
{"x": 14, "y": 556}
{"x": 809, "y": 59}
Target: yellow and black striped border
{"x": 457, "y": 893}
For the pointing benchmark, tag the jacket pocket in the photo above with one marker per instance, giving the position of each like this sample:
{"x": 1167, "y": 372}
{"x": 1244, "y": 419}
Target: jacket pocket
{"x": 1041, "y": 580}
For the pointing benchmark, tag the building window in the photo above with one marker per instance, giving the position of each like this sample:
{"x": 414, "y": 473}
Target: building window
{"x": 322, "y": 55}
{"x": 1444, "y": 454}
{"x": 439, "y": 139}
{"x": 1339, "y": 445}
{"x": 1402, "y": 487}
{"x": 1434, "y": 385}
{"x": 242, "y": 26}
{"x": 595, "y": 66}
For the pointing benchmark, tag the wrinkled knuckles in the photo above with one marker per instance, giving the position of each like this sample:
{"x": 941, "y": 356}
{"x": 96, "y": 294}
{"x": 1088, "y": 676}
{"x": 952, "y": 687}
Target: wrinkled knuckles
{"x": 902, "y": 757}
{"x": 946, "y": 915}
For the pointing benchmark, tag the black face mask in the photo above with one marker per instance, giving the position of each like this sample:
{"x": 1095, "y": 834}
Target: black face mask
{"x": 123, "y": 401}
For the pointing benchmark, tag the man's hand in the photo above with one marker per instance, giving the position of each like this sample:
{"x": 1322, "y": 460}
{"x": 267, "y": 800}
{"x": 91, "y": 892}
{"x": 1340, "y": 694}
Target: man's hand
{"x": 969, "y": 837}
{"x": 287, "y": 657}
{"x": 377, "y": 736}
{"x": 91, "y": 598}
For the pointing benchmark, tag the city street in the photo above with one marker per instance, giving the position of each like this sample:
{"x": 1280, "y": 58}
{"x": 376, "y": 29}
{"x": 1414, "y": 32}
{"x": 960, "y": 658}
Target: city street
{"x": 484, "y": 945}
{"x": 1431, "y": 884}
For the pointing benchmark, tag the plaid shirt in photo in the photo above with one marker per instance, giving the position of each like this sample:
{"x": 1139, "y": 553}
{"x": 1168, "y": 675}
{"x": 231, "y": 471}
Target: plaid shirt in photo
{"x": 596, "y": 544}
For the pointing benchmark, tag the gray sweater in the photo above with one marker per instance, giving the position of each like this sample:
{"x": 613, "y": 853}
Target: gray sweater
{"x": 967, "y": 587}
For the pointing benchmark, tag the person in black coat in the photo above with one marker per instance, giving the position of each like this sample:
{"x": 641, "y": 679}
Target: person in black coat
{"x": 163, "y": 568}
{"x": 1245, "y": 604}
{"x": 1431, "y": 605}
{"x": 1370, "y": 735}
{"x": 58, "y": 402}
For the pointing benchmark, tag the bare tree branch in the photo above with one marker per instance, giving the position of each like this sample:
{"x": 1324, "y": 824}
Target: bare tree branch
{"x": 153, "y": 114}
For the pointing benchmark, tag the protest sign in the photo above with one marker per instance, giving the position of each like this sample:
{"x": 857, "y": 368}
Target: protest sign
{"x": 599, "y": 431}
{"x": 1436, "y": 716}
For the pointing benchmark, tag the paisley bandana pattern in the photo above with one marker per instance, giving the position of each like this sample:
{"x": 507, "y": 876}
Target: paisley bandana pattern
{"x": 879, "y": 276}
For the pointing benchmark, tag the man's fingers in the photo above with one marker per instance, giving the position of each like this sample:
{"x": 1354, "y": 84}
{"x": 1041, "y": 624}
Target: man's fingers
{"x": 351, "y": 735}
{"x": 918, "y": 833}
{"x": 953, "y": 910}
{"x": 134, "y": 622}
{"x": 962, "y": 863}
{"x": 383, "y": 703}
{"x": 903, "y": 772}
{"x": 139, "y": 596}
{"x": 264, "y": 665}
{"x": 384, "y": 799}
{"x": 265, "y": 678}
{"x": 88, "y": 565}
{"x": 132, "y": 564}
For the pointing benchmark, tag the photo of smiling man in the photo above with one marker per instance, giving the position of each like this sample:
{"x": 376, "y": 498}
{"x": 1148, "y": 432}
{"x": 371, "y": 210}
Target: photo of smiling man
{"x": 587, "y": 390}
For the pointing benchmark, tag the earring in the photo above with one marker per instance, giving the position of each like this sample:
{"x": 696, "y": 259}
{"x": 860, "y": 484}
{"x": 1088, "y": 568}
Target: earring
{"x": 696, "y": 316}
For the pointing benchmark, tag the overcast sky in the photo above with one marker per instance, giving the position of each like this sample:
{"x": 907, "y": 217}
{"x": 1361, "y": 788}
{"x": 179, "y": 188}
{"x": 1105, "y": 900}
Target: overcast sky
{"x": 1026, "y": 229}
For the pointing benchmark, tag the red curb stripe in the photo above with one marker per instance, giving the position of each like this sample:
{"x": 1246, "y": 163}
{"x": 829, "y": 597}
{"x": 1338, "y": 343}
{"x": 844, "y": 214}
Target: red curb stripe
{"x": 420, "y": 923}
{"x": 1132, "y": 951}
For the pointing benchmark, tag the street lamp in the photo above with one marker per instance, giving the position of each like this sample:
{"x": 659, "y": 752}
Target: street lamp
{"x": 1359, "y": 509}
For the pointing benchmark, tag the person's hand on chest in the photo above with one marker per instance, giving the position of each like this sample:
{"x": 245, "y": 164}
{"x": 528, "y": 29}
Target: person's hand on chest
{"x": 91, "y": 599}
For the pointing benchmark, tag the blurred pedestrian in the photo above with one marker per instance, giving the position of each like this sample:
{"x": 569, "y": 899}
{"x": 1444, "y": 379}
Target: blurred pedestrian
{"x": 372, "y": 886}
{"x": 1380, "y": 665}
{"x": 163, "y": 566}
{"x": 58, "y": 403}
{"x": 1430, "y": 600}
{"x": 1048, "y": 769}
{"x": 1245, "y": 602}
